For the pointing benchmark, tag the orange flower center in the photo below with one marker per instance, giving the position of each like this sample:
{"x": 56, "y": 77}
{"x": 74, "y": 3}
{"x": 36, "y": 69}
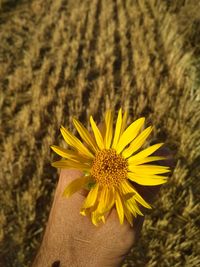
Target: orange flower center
{"x": 109, "y": 168}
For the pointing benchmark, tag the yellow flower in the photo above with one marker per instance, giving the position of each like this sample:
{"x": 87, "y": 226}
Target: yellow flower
{"x": 110, "y": 161}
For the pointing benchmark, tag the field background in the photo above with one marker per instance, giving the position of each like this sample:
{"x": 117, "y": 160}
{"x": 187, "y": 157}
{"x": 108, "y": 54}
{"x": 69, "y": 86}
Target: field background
{"x": 64, "y": 58}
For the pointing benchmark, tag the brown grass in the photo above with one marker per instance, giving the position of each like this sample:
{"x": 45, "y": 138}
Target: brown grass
{"x": 75, "y": 58}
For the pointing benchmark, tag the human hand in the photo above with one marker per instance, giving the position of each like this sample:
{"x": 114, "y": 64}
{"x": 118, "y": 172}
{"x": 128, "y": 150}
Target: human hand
{"x": 72, "y": 240}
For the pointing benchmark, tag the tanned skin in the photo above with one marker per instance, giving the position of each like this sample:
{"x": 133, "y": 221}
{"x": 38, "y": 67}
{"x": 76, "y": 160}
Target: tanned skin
{"x": 72, "y": 240}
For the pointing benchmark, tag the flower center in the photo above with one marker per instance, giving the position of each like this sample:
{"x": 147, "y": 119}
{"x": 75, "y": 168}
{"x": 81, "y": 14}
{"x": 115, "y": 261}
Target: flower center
{"x": 109, "y": 168}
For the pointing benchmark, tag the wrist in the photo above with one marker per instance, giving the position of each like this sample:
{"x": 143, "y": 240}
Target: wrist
{"x": 71, "y": 240}
{"x": 71, "y": 254}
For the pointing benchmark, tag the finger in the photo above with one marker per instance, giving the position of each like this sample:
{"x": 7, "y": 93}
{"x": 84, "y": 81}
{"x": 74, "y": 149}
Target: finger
{"x": 67, "y": 176}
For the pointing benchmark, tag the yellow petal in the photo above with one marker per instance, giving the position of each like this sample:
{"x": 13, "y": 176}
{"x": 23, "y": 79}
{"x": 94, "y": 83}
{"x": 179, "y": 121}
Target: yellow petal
{"x": 129, "y": 134}
{"x": 127, "y": 192}
{"x": 124, "y": 120}
{"x": 133, "y": 207}
{"x": 111, "y": 199}
{"x": 148, "y": 169}
{"x": 117, "y": 129}
{"x": 85, "y": 135}
{"x": 84, "y": 212}
{"x": 130, "y": 207}
{"x": 91, "y": 197}
{"x": 75, "y": 142}
{"x": 75, "y": 186}
{"x": 97, "y": 134}
{"x": 102, "y": 129}
{"x": 95, "y": 217}
{"x": 146, "y": 179}
{"x": 136, "y": 195}
{"x": 128, "y": 215}
{"x": 69, "y": 154}
{"x": 144, "y": 153}
{"x": 102, "y": 200}
{"x": 68, "y": 164}
{"x": 103, "y": 219}
{"x": 142, "y": 201}
{"x": 119, "y": 207}
{"x": 146, "y": 160}
{"x": 109, "y": 129}
{"x": 137, "y": 143}
{"x": 106, "y": 200}
{"x": 65, "y": 153}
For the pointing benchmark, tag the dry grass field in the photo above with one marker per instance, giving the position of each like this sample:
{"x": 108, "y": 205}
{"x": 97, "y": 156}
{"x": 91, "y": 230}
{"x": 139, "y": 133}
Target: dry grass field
{"x": 67, "y": 58}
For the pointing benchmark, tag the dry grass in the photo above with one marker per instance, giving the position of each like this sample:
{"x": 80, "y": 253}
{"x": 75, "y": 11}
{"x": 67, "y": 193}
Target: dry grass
{"x": 74, "y": 58}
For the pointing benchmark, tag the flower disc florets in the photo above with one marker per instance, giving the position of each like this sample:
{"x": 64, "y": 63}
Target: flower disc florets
{"x": 109, "y": 168}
